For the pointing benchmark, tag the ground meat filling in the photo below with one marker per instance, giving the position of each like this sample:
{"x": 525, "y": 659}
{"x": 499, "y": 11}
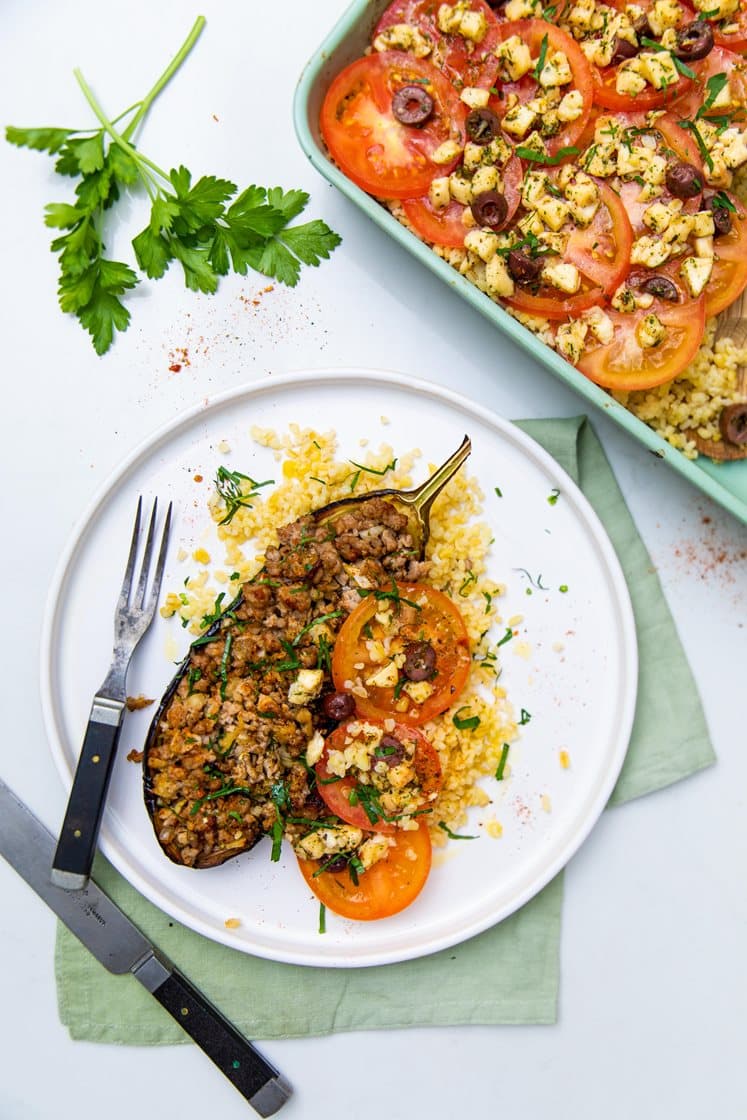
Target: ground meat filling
{"x": 225, "y": 757}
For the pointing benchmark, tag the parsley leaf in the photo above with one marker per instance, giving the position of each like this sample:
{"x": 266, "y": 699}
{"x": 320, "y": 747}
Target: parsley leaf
{"x": 202, "y": 224}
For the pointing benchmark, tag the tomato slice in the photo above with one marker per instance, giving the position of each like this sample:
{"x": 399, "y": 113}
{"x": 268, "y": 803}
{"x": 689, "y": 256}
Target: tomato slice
{"x": 384, "y": 157}
{"x": 445, "y": 227}
{"x": 718, "y": 61}
{"x": 736, "y": 40}
{"x": 672, "y": 142}
{"x": 601, "y": 253}
{"x": 415, "y": 613}
{"x": 605, "y": 77}
{"x": 533, "y": 32}
{"x": 386, "y": 888}
{"x": 361, "y": 797}
{"x": 461, "y": 60}
{"x": 729, "y": 276}
{"x": 625, "y": 364}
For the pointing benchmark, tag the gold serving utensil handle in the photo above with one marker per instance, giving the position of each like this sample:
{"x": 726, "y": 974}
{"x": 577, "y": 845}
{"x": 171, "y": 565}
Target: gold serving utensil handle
{"x": 415, "y": 504}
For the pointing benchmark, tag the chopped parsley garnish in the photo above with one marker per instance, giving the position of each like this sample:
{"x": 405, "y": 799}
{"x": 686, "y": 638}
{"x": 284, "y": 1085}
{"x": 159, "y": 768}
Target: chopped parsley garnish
{"x": 192, "y": 678}
{"x": 714, "y": 85}
{"x": 223, "y": 669}
{"x": 563, "y": 587}
{"x": 506, "y": 637}
{"x": 535, "y": 583}
{"x": 524, "y": 718}
{"x": 322, "y": 918}
{"x": 235, "y": 495}
{"x": 455, "y": 835}
{"x": 502, "y": 763}
{"x": 316, "y": 622}
{"x": 691, "y": 126}
{"x": 552, "y": 499}
{"x": 468, "y": 581}
{"x": 213, "y": 615}
{"x": 679, "y": 64}
{"x": 721, "y": 201}
{"x": 465, "y": 723}
{"x": 224, "y": 792}
{"x": 499, "y": 492}
{"x": 548, "y": 161}
{"x": 541, "y": 60}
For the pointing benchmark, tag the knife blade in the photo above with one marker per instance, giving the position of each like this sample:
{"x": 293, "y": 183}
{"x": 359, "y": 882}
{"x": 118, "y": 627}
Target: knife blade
{"x": 120, "y": 946}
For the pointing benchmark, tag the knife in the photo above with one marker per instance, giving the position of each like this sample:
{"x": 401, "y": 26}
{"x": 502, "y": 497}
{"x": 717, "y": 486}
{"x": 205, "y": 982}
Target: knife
{"x": 121, "y": 947}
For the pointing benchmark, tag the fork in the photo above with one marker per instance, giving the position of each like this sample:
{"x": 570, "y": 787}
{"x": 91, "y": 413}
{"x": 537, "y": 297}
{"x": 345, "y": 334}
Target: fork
{"x": 76, "y": 846}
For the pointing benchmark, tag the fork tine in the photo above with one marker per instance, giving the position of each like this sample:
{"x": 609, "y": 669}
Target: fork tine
{"x": 158, "y": 576}
{"x": 124, "y": 593}
{"x": 139, "y": 597}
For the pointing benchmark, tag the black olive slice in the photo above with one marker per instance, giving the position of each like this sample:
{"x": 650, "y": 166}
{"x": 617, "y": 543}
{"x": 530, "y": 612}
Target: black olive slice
{"x": 524, "y": 269}
{"x": 489, "y": 209}
{"x": 694, "y": 41}
{"x": 660, "y": 286}
{"x": 412, "y": 105}
{"x": 683, "y": 180}
{"x": 482, "y": 126}
{"x": 721, "y": 215}
{"x": 420, "y": 661}
{"x": 733, "y": 423}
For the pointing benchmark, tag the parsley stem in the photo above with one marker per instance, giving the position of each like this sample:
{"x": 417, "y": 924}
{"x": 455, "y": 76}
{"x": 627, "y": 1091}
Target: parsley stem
{"x": 138, "y": 158}
{"x": 166, "y": 77}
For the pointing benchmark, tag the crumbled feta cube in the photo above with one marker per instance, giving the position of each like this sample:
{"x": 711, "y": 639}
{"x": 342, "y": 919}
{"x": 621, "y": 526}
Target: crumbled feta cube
{"x": 306, "y": 687}
{"x": 581, "y": 190}
{"x": 520, "y": 9}
{"x": 629, "y": 82}
{"x": 403, "y": 37}
{"x": 418, "y": 691}
{"x": 482, "y": 242}
{"x": 569, "y": 339}
{"x": 563, "y": 276}
{"x": 664, "y": 14}
{"x": 650, "y": 331}
{"x": 658, "y": 67}
{"x": 657, "y": 217}
{"x": 518, "y": 121}
{"x": 460, "y": 188}
{"x": 696, "y": 272}
{"x": 600, "y": 325}
{"x": 484, "y": 179}
{"x": 515, "y": 58}
{"x": 439, "y": 193}
{"x": 552, "y": 211}
{"x": 649, "y": 251}
{"x": 719, "y": 9}
{"x": 385, "y": 677}
{"x": 475, "y": 98}
{"x": 556, "y": 71}
{"x": 473, "y": 26}
{"x": 571, "y": 106}
{"x": 446, "y": 152}
{"x": 703, "y": 225}
{"x": 497, "y": 277}
{"x": 314, "y": 748}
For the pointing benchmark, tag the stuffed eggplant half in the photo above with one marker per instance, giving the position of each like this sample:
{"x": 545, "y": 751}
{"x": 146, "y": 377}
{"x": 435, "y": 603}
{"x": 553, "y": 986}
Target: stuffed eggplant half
{"x": 229, "y": 755}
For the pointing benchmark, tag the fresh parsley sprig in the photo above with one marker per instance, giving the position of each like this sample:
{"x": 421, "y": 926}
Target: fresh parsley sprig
{"x": 204, "y": 225}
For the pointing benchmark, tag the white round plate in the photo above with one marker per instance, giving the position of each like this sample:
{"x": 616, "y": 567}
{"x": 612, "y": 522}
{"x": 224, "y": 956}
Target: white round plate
{"x": 577, "y": 676}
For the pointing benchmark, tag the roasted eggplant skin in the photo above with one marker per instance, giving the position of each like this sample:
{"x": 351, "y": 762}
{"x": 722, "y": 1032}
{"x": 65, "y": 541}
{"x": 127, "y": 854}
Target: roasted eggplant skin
{"x": 209, "y": 802}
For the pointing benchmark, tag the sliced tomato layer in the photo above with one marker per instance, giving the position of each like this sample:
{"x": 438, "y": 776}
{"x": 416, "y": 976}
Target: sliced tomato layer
{"x": 601, "y": 253}
{"x": 718, "y": 61}
{"x": 459, "y": 58}
{"x": 542, "y": 38}
{"x": 415, "y": 613}
{"x": 374, "y": 149}
{"x": 386, "y": 888}
{"x": 626, "y": 363}
{"x": 446, "y": 226}
{"x": 729, "y": 276}
{"x": 358, "y": 802}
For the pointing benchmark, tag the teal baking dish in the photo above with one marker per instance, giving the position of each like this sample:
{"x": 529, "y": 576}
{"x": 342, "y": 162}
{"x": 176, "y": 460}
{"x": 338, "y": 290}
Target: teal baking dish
{"x": 726, "y": 483}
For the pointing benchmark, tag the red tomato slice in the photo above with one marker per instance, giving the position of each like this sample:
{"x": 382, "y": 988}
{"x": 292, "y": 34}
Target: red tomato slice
{"x": 605, "y": 77}
{"x": 624, "y": 364}
{"x": 445, "y": 227}
{"x": 336, "y": 793}
{"x": 601, "y": 253}
{"x": 386, "y": 888}
{"x": 384, "y": 157}
{"x": 436, "y": 621}
{"x": 451, "y": 53}
{"x": 719, "y": 61}
{"x": 533, "y": 32}
{"x": 729, "y": 276}
{"x": 737, "y": 40}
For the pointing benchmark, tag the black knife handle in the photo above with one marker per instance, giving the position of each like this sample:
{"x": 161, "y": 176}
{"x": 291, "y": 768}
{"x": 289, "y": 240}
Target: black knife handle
{"x": 255, "y": 1078}
{"x": 76, "y": 846}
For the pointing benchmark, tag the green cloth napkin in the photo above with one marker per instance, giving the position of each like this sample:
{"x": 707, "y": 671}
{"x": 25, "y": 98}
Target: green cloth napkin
{"x": 510, "y": 973}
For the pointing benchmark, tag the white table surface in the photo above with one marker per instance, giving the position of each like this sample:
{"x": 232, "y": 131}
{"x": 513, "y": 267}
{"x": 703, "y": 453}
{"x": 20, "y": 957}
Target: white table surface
{"x": 653, "y": 991}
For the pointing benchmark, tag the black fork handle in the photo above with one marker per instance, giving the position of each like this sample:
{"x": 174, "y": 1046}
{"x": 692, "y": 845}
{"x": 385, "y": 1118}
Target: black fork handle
{"x": 76, "y": 846}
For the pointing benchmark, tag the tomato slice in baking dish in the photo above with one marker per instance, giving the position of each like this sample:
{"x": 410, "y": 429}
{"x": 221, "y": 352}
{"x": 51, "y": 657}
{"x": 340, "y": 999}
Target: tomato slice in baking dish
{"x": 719, "y": 61}
{"x": 460, "y": 58}
{"x": 445, "y": 227}
{"x": 381, "y": 654}
{"x": 625, "y": 364}
{"x": 601, "y": 253}
{"x": 733, "y": 41}
{"x": 542, "y": 38}
{"x": 384, "y": 889}
{"x": 605, "y": 77}
{"x": 367, "y": 141}
{"x": 729, "y": 277}
{"x": 355, "y": 797}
